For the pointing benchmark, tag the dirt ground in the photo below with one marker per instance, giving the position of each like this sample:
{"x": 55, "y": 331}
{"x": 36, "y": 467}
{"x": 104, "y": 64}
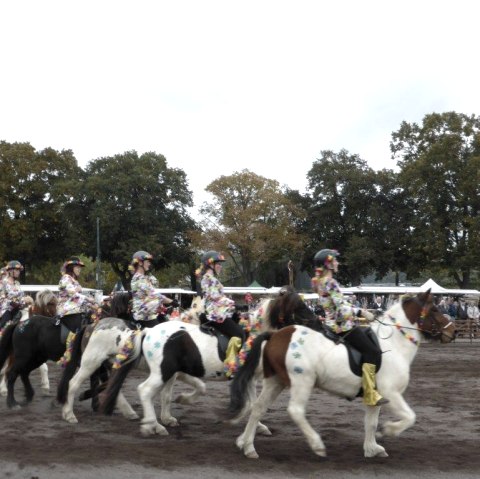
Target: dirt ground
{"x": 444, "y": 443}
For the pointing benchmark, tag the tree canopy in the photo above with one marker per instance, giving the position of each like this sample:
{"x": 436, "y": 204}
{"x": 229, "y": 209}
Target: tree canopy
{"x": 439, "y": 164}
{"x": 252, "y": 220}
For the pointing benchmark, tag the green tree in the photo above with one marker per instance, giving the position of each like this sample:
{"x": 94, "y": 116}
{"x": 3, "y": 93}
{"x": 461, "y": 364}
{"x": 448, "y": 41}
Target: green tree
{"x": 35, "y": 194}
{"x": 440, "y": 171}
{"x": 361, "y": 212}
{"x": 141, "y": 204}
{"x": 252, "y": 220}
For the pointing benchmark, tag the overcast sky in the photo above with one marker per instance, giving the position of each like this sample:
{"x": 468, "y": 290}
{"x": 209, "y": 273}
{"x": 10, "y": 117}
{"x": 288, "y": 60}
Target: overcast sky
{"x": 220, "y": 86}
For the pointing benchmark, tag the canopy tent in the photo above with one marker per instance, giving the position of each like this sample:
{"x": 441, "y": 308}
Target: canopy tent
{"x": 430, "y": 284}
{"x": 255, "y": 284}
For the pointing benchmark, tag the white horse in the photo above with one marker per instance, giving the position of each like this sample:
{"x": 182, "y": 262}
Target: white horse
{"x": 43, "y": 369}
{"x": 301, "y": 359}
{"x": 176, "y": 350}
{"x": 107, "y": 340}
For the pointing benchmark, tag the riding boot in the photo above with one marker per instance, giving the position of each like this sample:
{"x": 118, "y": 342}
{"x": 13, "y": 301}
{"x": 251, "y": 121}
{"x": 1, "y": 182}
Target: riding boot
{"x": 230, "y": 362}
{"x": 371, "y": 397}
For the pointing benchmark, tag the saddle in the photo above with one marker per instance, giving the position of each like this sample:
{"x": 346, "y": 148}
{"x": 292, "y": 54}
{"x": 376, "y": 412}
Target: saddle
{"x": 355, "y": 358}
{"x": 222, "y": 340}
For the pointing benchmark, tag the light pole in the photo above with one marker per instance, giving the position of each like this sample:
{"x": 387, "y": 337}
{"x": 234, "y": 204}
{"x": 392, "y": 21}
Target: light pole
{"x": 98, "y": 280}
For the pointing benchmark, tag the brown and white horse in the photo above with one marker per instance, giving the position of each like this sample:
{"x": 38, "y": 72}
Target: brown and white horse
{"x": 301, "y": 359}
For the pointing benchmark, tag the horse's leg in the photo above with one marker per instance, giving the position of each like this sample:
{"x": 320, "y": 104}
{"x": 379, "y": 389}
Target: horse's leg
{"x": 11, "y": 378}
{"x": 399, "y": 407}
{"x": 272, "y": 387}
{"x": 147, "y": 391}
{"x": 29, "y": 392}
{"x": 300, "y": 391}
{"x": 197, "y": 384}
{"x": 87, "y": 368}
{"x": 125, "y": 407}
{"x": 45, "y": 383}
{"x": 370, "y": 446}
{"x": 166, "y": 417}
{"x": 3, "y": 384}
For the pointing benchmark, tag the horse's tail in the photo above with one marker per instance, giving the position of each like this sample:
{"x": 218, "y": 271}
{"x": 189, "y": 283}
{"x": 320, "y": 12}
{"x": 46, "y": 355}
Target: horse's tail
{"x": 240, "y": 386}
{"x": 109, "y": 397}
{"x": 71, "y": 367}
{"x": 6, "y": 344}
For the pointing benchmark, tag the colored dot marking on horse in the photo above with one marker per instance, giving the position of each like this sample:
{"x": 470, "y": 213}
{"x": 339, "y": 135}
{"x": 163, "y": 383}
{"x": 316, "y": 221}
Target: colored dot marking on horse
{"x": 298, "y": 370}
{"x": 157, "y": 345}
{"x": 149, "y": 354}
{"x": 294, "y": 345}
{"x": 304, "y": 332}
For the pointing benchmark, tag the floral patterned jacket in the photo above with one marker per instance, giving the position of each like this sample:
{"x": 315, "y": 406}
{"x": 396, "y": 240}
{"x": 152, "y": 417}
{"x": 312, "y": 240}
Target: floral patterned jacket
{"x": 146, "y": 301}
{"x": 340, "y": 314}
{"x": 11, "y": 295}
{"x": 70, "y": 297}
{"x": 217, "y": 306}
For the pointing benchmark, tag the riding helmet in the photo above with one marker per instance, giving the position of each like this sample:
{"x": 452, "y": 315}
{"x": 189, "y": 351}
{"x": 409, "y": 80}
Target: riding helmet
{"x": 211, "y": 257}
{"x": 14, "y": 265}
{"x": 74, "y": 261}
{"x": 325, "y": 257}
{"x": 141, "y": 256}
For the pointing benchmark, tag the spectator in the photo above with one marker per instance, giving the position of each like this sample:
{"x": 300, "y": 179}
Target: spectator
{"x": 473, "y": 312}
{"x": 377, "y": 304}
{"x": 462, "y": 310}
{"x": 452, "y": 308}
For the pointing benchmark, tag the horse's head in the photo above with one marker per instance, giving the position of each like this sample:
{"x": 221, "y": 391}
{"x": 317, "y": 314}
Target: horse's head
{"x": 289, "y": 308}
{"x": 120, "y": 306}
{"x": 421, "y": 310}
{"x": 45, "y": 303}
{"x": 192, "y": 315}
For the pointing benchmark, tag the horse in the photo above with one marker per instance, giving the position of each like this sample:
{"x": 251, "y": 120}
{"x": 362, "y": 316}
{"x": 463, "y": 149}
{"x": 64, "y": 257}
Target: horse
{"x": 31, "y": 343}
{"x": 176, "y": 350}
{"x": 301, "y": 359}
{"x": 99, "y": 345}
{"x": 44, "y": 306}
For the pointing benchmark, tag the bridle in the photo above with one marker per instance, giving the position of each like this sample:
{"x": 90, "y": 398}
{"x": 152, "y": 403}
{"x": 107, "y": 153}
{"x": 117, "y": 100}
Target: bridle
{"x": 436, "y": 330}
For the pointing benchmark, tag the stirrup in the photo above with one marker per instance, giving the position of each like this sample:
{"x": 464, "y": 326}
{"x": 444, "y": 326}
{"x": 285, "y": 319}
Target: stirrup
{"x": 382, "y": 401}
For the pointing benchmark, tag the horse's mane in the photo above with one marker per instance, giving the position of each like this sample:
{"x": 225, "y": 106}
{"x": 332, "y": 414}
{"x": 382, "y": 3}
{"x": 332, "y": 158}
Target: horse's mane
{"x": 120, "y": 307}
{"x": 45, "y": 303}
{"x": 289, "y": 308}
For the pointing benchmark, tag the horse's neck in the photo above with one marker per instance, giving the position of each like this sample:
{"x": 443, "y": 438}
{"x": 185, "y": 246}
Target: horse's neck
{"x": 395, "y": 328}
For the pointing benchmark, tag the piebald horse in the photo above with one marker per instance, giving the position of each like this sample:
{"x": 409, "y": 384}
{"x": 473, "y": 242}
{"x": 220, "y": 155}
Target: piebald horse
{"x": 174, "y": 350}
{"x": 301, "y": 359}
{"x": 102, "y": 344}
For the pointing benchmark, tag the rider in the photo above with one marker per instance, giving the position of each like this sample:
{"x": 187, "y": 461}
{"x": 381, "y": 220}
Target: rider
{"x": 219, "y": 309}
{"x": 340, "y": 317}
{"x": 12, "y": 296}
{"x": 146, "y": 302}
{"x": 72, "y": 304}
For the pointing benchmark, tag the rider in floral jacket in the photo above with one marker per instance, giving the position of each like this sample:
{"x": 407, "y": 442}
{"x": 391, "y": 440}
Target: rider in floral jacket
{"x": 73, "y": 305}
{"x": 12, "y": 296}
{"x": 146, "y": 302}
{"x": 340, "y": 315}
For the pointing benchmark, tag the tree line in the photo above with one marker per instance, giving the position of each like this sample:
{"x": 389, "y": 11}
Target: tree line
{"x": 421, "y": 217}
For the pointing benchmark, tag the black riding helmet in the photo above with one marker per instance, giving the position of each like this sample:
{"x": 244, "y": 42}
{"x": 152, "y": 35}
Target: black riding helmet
{"x": 324, "y": 258}
{"x": 141, "y": 256}
{"x": 211, "y": 257}
{"x": 14, "y": 265}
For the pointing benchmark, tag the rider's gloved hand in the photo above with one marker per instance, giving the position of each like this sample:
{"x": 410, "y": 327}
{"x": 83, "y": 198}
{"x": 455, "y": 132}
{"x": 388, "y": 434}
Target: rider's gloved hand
{"x": 174, "y": 304}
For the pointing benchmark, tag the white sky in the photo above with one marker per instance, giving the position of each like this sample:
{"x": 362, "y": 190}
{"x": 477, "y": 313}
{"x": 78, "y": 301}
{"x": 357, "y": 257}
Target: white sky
{"x": 219, "y": 86}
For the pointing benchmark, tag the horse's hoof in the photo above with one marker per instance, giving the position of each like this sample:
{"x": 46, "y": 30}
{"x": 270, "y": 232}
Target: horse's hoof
{"x": 252, "y": 455}
{"x": 321, "y": 451}
{"x": 71, "y": 419}
{"x": 132, "y": 417}
{"x": 171, "y": 422}
{"x": 264, "y": 431}
{"x": 378, "y": 451}
{"x": 152, "y": 429}
{"x": 46, "y": 393}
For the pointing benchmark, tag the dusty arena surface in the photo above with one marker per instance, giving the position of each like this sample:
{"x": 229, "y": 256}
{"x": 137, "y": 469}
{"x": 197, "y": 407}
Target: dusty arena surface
{"x": 444, "y": 443}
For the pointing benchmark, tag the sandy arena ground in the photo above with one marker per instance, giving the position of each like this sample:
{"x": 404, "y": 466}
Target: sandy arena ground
{"x": 444, "y": 443}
